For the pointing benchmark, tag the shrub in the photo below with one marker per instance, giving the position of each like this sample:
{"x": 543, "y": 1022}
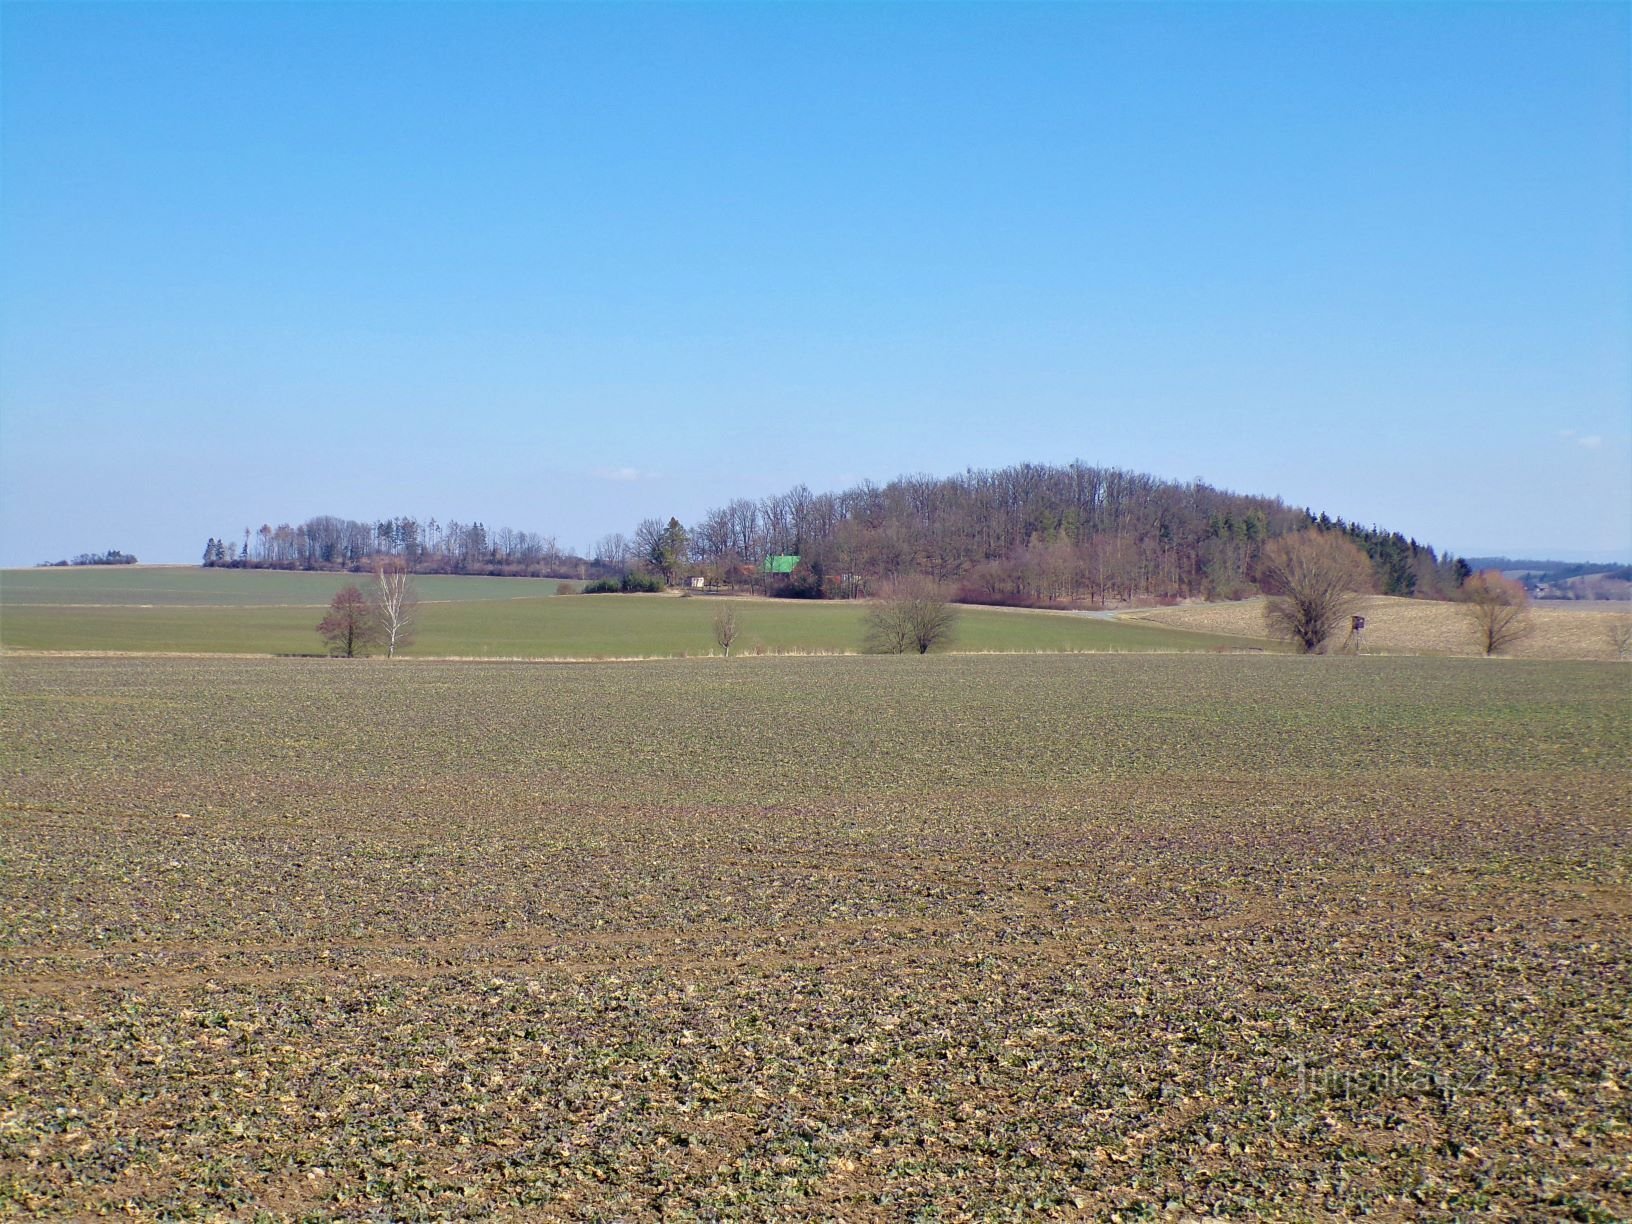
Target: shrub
{"x": 641, "y": 584}
{"x": 1498, "y": 609}
{"x": 911, "y": 614}
{"x": 1314, "y": 580}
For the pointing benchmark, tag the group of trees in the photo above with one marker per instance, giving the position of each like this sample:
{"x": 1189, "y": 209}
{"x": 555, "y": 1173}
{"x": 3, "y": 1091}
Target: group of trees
{"x": 663, "y": 550}
{"x": 112, "y": 557}
{"x": 1030, "y": 534}
{"x": 386, "y": 616}
{"x": 1317, "y": 581}
{"x": 329, "y": 543}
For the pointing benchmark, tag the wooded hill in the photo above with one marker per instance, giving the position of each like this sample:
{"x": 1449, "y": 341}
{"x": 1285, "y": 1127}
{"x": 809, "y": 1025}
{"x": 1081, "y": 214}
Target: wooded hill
{"x": 1036, "y": 534}
{"x": 1029, "y": 534}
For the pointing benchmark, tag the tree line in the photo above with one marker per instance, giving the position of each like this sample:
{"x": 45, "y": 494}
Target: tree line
{"x": 329, "y": 543}
{"x": 1030, "y": 534}
{"x": 112, "y": 557}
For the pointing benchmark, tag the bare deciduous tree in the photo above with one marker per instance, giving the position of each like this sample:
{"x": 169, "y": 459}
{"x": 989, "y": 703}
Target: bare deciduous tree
{"x": 911, "y": 614}
{"x": 1499, "y": 609}
{"x": 663, "y": 548}
{"x": 1620, "y": 637}
{"x": 613, "y": 551}
{"x": 725, "y": 628}
{"x": 1315, "y": 581}
{"x": 395, "y": 604}
{"x": 349, "y": 628}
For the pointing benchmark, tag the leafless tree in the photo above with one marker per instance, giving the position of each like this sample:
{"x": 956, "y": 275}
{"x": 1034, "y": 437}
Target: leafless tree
{"x": 725, "y": 628}
{"x": 1315, "y": 581}
{"x": 395, "y": 603}
{"x": 613, "y": 551}
{"x": 1499, "y": 609}
{"x": 647, "y": 542}
{"x": 1620, "y": 637}
{"x": 911, "y": 614}
{"x": 350, "y": 627}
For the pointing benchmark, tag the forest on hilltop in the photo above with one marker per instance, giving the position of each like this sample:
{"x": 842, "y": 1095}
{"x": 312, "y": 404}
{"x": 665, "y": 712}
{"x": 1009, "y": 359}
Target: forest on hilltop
{"x": 1030, "y": 534}
{"x": 1033, "y": 534}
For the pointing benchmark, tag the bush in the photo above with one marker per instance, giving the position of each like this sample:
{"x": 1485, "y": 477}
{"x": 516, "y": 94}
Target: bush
{"x": 1315, "y": 580}
{"x": 1498, "y": 608}
{"x": 911, "y": 614}
{"x": 636, "y": 584}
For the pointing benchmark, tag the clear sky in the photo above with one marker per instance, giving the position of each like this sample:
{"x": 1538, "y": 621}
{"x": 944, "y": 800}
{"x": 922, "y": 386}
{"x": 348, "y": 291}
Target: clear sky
{"x": 563, "y": 267}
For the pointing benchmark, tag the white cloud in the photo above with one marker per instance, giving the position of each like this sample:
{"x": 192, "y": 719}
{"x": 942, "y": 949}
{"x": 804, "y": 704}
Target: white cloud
{"x": 623, "y": 474}
{"x": 1590, "y": 441}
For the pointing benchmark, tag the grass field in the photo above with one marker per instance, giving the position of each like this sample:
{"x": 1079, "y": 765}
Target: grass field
{"x": 1421, "y": 626}
{"x": 268, "y": 612}
{"x": 839, "y": 938}
{"x": 189, "y": 586}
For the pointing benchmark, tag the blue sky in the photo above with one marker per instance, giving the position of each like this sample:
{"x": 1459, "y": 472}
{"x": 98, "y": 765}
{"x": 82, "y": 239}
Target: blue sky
{"x": 567, "y": 267}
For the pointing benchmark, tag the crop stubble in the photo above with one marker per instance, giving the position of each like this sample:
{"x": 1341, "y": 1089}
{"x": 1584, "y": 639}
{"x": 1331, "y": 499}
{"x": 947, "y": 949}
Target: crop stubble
{"x": 866, "y": 937}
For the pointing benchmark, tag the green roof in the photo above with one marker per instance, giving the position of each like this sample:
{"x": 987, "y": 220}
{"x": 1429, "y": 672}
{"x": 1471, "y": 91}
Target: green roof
{"x": 779, "y": 565}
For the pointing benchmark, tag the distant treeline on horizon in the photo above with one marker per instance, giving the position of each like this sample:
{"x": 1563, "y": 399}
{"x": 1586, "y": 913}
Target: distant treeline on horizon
{"x": 1552, "y": 571}
{"x": 1030, "y": 534}
{"x": 329, "y": 543}
{"x": 112, "y": 557}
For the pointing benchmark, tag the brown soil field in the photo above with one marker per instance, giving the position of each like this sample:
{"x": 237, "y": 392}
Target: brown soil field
{"x": 1063, "y": 937}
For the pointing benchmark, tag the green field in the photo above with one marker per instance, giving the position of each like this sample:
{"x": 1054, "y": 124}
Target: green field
{"x": 184, "y": 610}
{"x": 861, "y": 938}
{"x": 183, "y": 586}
